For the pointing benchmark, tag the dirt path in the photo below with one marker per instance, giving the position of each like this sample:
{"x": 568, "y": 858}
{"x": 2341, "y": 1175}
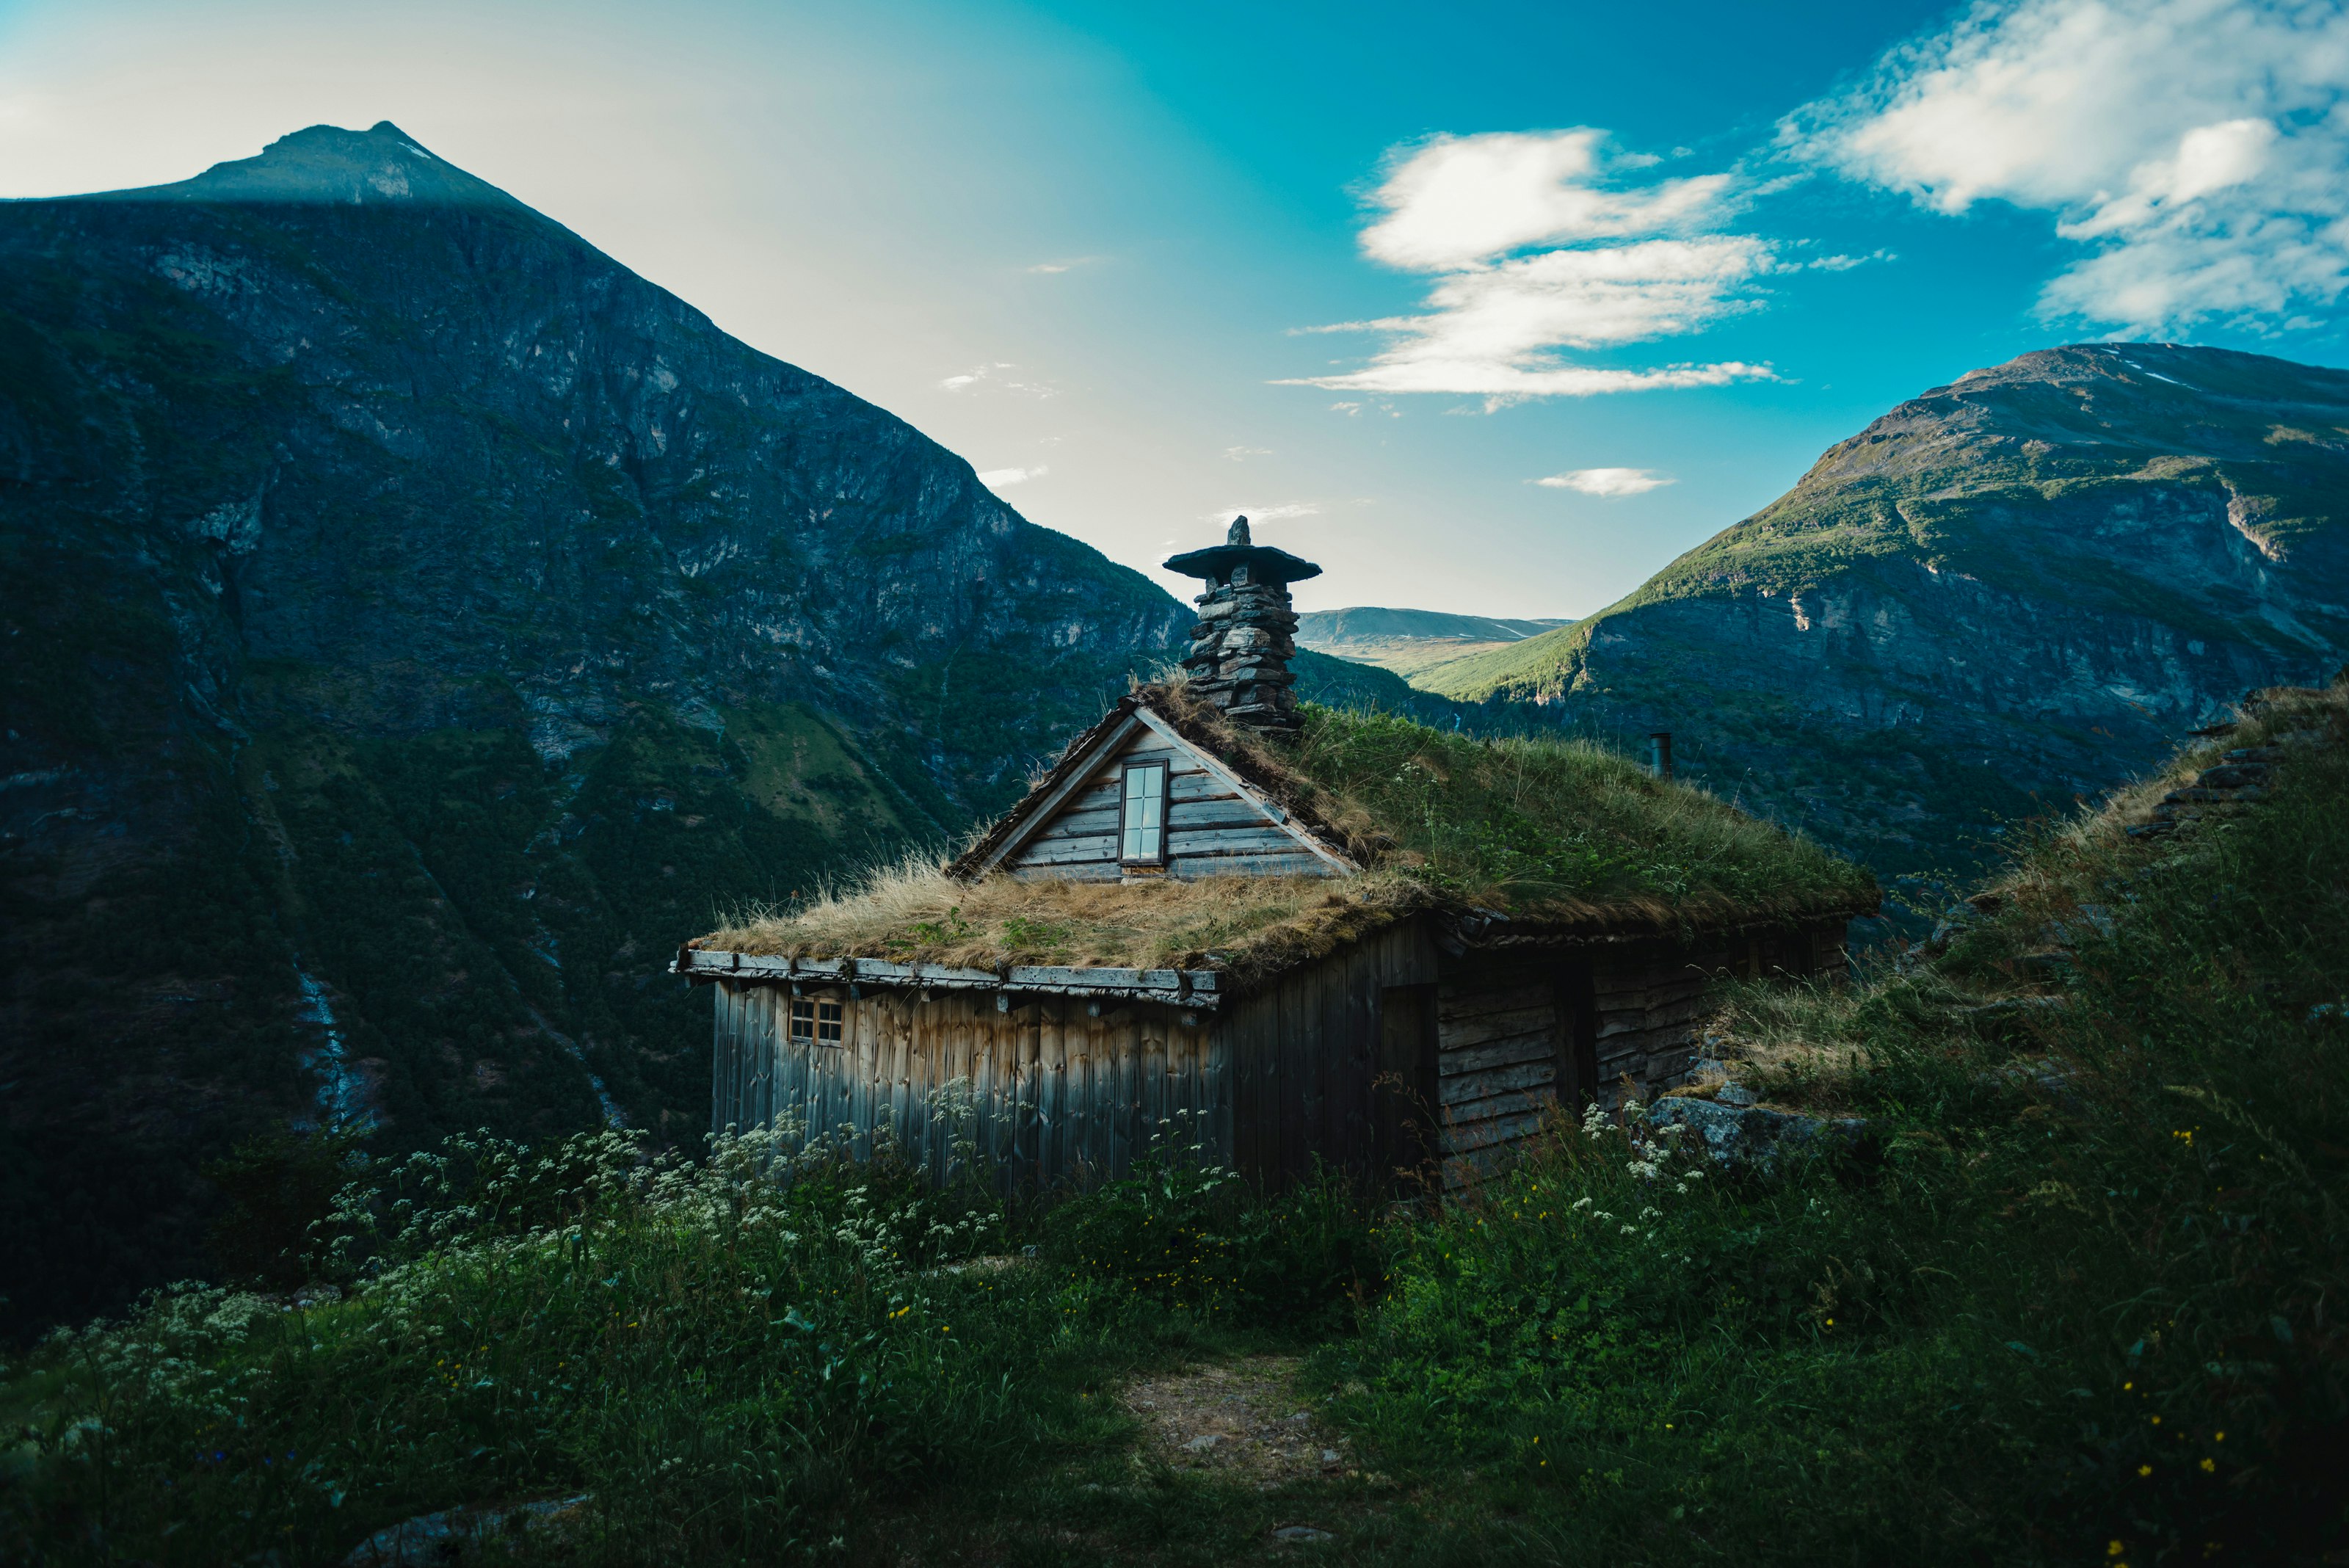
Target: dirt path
{"x": 1243, "y": 1416}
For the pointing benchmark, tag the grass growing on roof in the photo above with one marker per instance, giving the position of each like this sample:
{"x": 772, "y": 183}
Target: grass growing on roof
{"x": 913, "y": 912}
{"x": 1556, "y": 830}
{"x": 1555, "y": 827}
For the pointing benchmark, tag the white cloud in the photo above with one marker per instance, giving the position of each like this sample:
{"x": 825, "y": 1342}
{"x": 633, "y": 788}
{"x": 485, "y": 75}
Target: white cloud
{"x": 999, "y": 478}
{"x": 989, "y": 378}
{"x": 1052, "y": 267}
{"x": 1242, "y": 454}
{"x": 1465, "y": 199}
{"x": 1607, "y": 482}
{"x": 2200, "y": 147}
{"x": 1538, "y": 244}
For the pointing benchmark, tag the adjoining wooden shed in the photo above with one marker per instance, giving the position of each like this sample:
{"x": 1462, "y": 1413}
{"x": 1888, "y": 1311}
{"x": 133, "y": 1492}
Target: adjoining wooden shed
{"x": 1291, "y": 938}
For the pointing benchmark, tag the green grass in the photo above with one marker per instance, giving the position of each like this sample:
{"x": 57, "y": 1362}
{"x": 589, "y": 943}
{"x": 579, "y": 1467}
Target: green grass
{"x": 2071, "y": 1296}
{"x": 1542, "y": 825}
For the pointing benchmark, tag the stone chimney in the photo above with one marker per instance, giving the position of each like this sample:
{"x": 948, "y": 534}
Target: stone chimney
{"x": 1246, "y": 632}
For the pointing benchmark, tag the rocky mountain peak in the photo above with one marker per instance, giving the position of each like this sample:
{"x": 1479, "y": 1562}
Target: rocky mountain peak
{"x": 2081, "y": 408}
{"x": 327, "y": 164}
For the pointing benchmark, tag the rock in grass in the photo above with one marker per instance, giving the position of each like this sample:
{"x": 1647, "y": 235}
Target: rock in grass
{"x": 433, "y": 1539}
{"x": 1301, "y": 1532}
{"x": 1756, "y": 1133}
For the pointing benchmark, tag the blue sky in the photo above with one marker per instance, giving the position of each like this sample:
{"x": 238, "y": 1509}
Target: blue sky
{"x": 1371, "y": 272}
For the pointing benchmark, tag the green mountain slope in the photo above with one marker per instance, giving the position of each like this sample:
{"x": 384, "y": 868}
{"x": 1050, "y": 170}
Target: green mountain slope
{"x": 2007, "y": 592}
{"x": 417, "y": 625}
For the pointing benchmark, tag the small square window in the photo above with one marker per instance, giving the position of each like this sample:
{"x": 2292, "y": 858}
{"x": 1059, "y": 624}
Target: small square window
{"x": 818, "y": 1020}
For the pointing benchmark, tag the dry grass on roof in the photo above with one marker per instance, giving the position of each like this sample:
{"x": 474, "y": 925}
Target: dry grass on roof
{"x": 914, "y": 912}
{"x": 1553, "y": 829}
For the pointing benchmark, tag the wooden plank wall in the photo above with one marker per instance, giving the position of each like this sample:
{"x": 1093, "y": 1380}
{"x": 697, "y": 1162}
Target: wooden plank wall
{"x": 1282, "y": 1080}
{"x": 1302, "y": 1051}
{"x": 1651, "y": 996}
{"x": 1503, "y": 1037}
{"x": 1498, "y": 1034}
{"x": 1211, "y": 828}
{"x": 1059, "y": 1097}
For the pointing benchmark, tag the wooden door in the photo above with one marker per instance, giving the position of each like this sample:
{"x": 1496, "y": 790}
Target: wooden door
{"x": 1403, "y": 1090}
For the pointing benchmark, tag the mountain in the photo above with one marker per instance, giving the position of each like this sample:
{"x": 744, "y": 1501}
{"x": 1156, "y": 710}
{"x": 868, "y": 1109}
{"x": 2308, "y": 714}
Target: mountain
{"x": 417, "y": 624}
{"x": 1410, "y": 642}
{"x": 2007, "y": 594}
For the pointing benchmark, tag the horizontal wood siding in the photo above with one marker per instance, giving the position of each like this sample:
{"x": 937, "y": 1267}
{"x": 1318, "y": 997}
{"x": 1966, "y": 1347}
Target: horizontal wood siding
{"x": 1056, "y": 1096}
{"x": 1211, "y": 828}
{"x": 1498, "y": 1042}
{"x": 1301, "y": 1053}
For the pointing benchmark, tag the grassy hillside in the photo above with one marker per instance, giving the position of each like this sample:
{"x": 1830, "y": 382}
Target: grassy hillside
{"x": 1412, "y": 643}
{"x": 2061, "y": 1288}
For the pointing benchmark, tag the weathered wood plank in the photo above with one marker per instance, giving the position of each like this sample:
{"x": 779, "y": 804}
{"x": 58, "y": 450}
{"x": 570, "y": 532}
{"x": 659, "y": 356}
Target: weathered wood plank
{"x": 1063, "y": 851}
{"x": 1514, "y": 1102}
{"x": 1188, "y": 817}
{"x": 1081, "y": 871}
{"x": 1466, "y": 1006}
{"x": 1197, "y": 787}
{"x": 1461, "y": 1088}
{"x": 1492, "y": 1026}
{"x": 1193, "y": 867}
{"x": 1080, "y": 825}
{"x": 1240, "y": 840}
{"x": 1495, "y": 1054}
{"x": 1461, "y": 1137}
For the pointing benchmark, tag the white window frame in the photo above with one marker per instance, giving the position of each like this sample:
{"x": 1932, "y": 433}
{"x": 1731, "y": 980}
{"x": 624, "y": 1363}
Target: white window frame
{"x": 1128, "y": 799}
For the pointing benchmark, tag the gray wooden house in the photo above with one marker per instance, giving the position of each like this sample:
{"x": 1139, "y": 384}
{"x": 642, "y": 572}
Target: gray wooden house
{"x": 1369, "y": 1022}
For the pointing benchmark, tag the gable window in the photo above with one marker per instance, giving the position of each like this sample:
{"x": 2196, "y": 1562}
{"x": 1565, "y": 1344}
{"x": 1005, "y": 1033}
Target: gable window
{"x": 1141, "y": 814}
{"x": 813, "y": 1019}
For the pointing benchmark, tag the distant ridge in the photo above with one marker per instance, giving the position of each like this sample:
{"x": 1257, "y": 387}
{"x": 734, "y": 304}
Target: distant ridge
{"x": 1411, "y": 642}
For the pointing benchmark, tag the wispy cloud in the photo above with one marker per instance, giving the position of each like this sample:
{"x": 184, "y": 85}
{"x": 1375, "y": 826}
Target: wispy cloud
{"x": 1050, "y": 268}
{"x": 1607, "y": 482}
{"x": 990, "y": 377}
{"x": 2198, "y": 148}
{"x": 1000, "y": 478}
{"x": 1545, "y": 242}
{"x": 1263, "y": 513}
{"x": 1242, "y": 454}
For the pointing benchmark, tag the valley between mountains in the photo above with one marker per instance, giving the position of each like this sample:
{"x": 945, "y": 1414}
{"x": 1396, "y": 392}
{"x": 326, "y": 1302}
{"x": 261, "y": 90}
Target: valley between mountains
{"x": 417, "y": 625}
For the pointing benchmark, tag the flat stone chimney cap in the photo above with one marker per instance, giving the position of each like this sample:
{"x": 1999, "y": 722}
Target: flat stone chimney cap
{"x": 1264, "y": 564}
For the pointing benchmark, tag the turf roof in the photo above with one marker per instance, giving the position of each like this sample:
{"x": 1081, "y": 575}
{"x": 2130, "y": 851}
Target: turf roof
{"x": 1552, "y": 834}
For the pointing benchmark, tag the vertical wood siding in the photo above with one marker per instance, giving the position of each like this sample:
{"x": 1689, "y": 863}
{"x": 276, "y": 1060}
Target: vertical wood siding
{"x": 1302, "y": 1053}
{"x": 1211, "y": 828}
{"x": 1058, "y": 1096}
{"x": 1283, "y": 1080}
